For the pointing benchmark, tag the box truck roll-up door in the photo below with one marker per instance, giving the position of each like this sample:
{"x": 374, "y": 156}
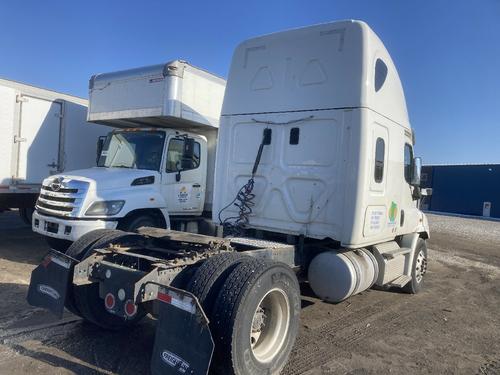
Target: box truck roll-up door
{"x": 39, "y": 133}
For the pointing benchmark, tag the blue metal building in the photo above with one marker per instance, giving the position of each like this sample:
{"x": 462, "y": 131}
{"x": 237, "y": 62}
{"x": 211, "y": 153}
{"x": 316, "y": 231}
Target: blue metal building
{"x": 463, "y": 189}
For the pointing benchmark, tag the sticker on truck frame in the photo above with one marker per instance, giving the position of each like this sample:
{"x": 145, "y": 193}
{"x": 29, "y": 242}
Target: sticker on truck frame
{"x": 185, "y": 303}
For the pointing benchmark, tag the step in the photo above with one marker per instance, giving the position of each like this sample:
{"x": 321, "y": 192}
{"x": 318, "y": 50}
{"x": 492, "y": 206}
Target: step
{"x": 401, "y": 281}
{"x": 391, "y": 254}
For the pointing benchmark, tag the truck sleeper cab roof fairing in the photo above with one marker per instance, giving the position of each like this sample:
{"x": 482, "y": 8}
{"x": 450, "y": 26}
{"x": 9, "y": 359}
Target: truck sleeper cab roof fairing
{"x": 326, "y": 66}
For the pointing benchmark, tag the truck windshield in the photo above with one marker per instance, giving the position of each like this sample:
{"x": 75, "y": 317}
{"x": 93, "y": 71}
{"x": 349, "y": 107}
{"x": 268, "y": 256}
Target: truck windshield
{"x": 137, "y": 150}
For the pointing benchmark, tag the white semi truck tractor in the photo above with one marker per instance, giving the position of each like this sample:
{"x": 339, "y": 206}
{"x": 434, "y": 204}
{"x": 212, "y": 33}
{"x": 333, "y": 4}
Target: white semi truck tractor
{"x": 315, "y": 181}
{"x": 155, "y": 169}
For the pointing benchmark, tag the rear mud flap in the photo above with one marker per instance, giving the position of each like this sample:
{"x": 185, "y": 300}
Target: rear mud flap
{"x": 183, "y": 342}
{"x": 49, "y": 282}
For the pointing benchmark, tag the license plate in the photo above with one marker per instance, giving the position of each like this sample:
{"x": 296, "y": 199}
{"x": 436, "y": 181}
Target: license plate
{"x": 51, "y": 227}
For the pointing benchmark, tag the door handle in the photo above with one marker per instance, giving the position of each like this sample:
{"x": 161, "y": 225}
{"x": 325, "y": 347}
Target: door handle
{"x": 196, "y": 185}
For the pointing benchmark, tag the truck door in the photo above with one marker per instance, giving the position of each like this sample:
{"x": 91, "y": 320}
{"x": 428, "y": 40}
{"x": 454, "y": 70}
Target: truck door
{"x": 38, "y": 139}
{"x": 409, "y": 213}
{"x": 184, "y": 175}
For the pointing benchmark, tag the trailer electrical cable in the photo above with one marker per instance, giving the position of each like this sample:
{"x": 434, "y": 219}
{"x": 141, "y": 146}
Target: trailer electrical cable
{"x": 244, "y": 200}
{"x": 235, "y": 225}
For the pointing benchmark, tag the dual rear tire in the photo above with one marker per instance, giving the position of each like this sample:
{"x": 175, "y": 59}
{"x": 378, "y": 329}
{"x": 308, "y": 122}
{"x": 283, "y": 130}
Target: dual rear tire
{"x": 84, "y": 300}
{"x": 253, "y": 306}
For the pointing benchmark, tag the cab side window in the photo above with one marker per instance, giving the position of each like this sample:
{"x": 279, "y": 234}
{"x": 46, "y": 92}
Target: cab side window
{"x": 408, "y": 162}
{"x": 176, "y": 160}
{"x": 379, "y": 160}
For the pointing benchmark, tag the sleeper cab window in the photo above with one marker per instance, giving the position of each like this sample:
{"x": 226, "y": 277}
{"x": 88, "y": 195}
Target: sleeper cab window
{"x": 175, "y": 156}
{"x": 380, "y": 74}
{"x": 379, "y": 160}
{"x": 408, "y": 162}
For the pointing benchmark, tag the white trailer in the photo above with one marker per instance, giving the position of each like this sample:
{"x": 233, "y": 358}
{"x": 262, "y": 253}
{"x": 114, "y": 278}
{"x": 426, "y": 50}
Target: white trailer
{"x": 315, "y": 181}
{"x": 156, "y": 168}
{"x": 43, "y": 132}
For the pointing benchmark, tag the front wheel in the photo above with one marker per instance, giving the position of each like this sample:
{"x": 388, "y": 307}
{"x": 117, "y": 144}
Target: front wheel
{"x": 133, "y": 223}
{"x": 256, "y": 319}
{"x": 419, "y": 268}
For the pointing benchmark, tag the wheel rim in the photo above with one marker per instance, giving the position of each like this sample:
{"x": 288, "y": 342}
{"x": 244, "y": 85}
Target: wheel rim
{"x": 270, "y": 324}
{"x": 420, "y": 266}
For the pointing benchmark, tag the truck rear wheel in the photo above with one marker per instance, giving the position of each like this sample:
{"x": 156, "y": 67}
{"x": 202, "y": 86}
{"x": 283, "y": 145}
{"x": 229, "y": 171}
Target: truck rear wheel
{"x": 87, "y": 299}
{"x": 207, "y": 280}
{"x": 256, "y": 319}
{"x": 419, "y": 268}
{"x": 77, "y": 250}
{"x": 58, "y": 244}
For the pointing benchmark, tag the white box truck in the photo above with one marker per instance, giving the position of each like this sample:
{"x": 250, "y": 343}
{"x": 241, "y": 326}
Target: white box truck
{"x": 315, "y": 157}
{"x": 155, "y": 169}
{"x": 43, "y": 132}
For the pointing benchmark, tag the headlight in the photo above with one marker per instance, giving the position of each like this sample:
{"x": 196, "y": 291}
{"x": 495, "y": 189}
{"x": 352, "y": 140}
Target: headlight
{"x": 107, "y": 208}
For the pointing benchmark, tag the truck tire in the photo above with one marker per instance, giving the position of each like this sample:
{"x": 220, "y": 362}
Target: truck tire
{"x": 87, "y": 299}
{"x": 133, "y": 223}
{"x": 419, "y": 268}
{"x": 77, "y": 250}
{"x": 256, "y": 319}
{"x": 211, "y": 275}
{"x": 58, "y": 244}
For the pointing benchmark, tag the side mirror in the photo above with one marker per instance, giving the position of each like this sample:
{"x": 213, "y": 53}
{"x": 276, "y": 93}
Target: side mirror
{"x": 417, "y": 168}
{"x": 100, "y": 146}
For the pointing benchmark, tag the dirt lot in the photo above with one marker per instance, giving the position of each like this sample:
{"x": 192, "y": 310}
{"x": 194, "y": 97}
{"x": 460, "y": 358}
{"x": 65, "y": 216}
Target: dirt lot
{"x": 452, "y": 327}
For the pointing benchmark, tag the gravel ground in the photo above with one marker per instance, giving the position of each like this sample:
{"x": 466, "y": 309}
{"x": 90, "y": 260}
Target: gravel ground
{"x": 465, "y": 227}
{"x": 452, "y": 327}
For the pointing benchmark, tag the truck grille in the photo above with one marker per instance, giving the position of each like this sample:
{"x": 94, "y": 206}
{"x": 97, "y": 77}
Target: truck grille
{"x": 62, "y": 198}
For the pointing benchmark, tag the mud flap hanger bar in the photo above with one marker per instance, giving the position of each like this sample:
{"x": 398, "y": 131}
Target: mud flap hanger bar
{"x": 183, "y": 341}
{"x": 50, "y": 281}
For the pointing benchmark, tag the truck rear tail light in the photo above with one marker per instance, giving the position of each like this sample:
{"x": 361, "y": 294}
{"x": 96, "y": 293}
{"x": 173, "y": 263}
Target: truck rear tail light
{"x": 109, "y": 301}
{"x": 130, "y": 308}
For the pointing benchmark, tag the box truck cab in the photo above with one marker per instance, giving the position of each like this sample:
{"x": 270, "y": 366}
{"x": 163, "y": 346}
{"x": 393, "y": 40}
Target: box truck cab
{"x": 154, "y": 169}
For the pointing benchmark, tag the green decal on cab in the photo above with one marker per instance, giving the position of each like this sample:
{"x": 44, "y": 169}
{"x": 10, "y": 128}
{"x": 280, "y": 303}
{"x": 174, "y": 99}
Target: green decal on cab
{"x": 393, "y": 213}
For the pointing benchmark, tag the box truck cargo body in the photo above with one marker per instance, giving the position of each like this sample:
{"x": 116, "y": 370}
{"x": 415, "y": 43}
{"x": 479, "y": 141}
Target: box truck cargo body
{"x": 156, "y": 167}
{"x": 43, "y": 132}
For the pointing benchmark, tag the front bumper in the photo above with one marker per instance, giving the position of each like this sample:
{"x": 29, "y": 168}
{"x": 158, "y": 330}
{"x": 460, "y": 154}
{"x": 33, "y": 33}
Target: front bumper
{"x": 64, "y": 229}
